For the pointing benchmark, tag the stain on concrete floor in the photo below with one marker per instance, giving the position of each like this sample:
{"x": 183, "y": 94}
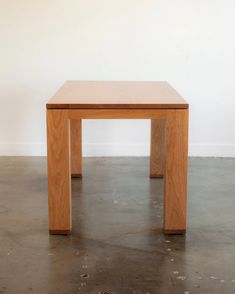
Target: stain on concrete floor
{"x": 117, "y": 245}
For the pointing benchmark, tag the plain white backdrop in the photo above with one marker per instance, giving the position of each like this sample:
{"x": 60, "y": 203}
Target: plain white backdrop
{"x": 189, "y": 43}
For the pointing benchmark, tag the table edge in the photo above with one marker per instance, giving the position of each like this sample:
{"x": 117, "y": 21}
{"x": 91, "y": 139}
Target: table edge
{"x": 116, "y": 106}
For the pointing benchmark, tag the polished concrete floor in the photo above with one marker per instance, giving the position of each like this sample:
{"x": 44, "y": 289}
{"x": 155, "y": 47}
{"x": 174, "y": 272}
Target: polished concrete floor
{"x": 117, "y": 245}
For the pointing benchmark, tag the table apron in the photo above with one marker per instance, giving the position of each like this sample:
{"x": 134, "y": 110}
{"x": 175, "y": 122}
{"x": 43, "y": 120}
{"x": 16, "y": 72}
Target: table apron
{"x": 120, "y": 113}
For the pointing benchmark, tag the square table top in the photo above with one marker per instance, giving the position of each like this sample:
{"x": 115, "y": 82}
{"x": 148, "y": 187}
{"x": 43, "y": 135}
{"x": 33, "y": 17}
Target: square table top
{"x": 116, "y": 94}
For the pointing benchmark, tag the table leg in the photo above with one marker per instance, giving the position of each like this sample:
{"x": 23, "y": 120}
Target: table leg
{"x": 76, "y": 148}
{"x": 59, "y": 179}
{"x": 157, "y": 150}
{"x": 175, "y": 190}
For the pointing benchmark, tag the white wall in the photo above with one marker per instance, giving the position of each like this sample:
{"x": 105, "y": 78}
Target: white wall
{"x": 189, "y": 43}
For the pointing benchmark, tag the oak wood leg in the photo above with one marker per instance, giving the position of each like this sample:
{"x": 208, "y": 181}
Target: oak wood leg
{"x": 59, "y": 179}
{"x": 175, "y": 190}
{"x": 76, "y": 148}
{"x": 157, "y": 150}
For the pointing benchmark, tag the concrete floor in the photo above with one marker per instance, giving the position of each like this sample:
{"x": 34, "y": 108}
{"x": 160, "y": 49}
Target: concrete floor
{"x": 117, "y": 245}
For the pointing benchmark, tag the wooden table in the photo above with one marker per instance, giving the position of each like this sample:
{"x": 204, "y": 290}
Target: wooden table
{"x": 158, "y": 101}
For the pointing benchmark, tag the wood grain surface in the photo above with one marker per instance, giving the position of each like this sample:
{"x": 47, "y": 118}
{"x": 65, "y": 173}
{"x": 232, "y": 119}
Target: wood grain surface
{"x": 118, "y": 94}
{"x": 158, "y": 101}
{"x": 176, "y": 171}
{"x": 157, "y": 148}
{"x": 117, "y": 113}
{"x": 76, "y": 147}
{"x": 59, "y": 179}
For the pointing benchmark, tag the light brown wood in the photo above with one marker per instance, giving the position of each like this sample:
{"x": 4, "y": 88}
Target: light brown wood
{"x": 119, "y": 94}
{"x": 118, "y": 100}
{"x": 117, "y": 113}
{"x": 175, "y": 190}
{"x": 76, "y": 147}
{"x": 158, "y": 148}
{"x": 59, "y": 179}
